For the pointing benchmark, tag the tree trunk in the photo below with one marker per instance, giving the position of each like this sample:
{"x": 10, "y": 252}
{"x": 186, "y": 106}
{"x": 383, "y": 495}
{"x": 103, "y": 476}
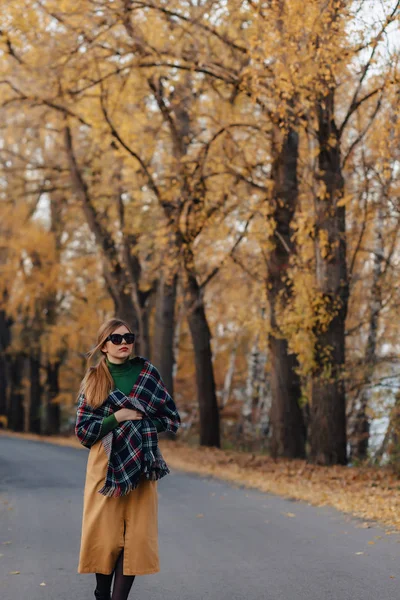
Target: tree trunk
{"x": 254, "y": 410}
{"x": 123, "y": 304}
{"x": 361, "y": 429}
{"x": 390, "y": 442}
{"x": 144, "y": 318}
{"x": 115, "y": 273}
{"x": 251, "y": 395}
{"x": 393, "y": 447}
{"x": 35, "y": 393}
{"x": 177, "y": 117}
{"x": 5, "y": 338}
{"x": 226, "y": 392}
{"x": 286, "y": 417}
{"x": 360, "y": 434}
{"x": 163, "y": 338}
{"x": 16, "y": 395}
{"x": 288, "y": 428}
{"x": 53, "y": 409}
{"x": 140, "y": 300}
{"x": 328, "y": 406}
{"x": 201, "y": 339}
{"x": 3, "y": 385}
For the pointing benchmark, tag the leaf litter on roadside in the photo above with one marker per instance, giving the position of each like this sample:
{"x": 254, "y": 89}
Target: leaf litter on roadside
{"x": 367, "y": 492}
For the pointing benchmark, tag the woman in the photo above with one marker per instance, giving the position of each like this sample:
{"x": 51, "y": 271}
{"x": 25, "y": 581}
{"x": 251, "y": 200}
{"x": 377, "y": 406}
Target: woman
{"x": 122, "y": 405}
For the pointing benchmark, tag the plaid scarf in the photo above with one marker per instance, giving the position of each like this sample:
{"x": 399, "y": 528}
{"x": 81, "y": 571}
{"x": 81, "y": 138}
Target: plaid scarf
{"x": 132, "y": 447}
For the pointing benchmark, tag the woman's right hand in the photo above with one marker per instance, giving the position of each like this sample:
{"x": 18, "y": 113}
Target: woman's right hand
{"x": 128, "y": 414}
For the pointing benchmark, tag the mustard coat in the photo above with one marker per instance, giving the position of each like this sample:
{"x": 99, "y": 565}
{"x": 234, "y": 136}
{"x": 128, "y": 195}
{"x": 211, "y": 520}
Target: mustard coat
{"x": 110, "y": 524}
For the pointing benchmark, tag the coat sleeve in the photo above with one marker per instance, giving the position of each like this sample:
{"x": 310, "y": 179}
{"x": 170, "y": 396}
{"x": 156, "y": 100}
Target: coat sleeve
{"x": 87, "y": 424}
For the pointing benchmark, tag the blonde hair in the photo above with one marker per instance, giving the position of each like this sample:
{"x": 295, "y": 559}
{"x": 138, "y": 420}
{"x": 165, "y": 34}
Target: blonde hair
{"x": 97, "y": 381}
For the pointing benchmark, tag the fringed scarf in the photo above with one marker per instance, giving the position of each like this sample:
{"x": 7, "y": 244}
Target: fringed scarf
{"x": 132, "y": 447}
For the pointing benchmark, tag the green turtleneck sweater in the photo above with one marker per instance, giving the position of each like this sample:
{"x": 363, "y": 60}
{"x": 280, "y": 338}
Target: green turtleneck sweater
{"x": 125, "y": 376}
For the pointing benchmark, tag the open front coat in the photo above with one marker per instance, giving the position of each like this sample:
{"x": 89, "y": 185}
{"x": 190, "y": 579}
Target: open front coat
{"x": 111, "y": 524}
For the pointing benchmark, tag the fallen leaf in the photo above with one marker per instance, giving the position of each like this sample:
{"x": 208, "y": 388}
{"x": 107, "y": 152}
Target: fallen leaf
{"x": 199, "y": 516}
{"x": 43, "y": 583}
{"x": 14, "y": 572}
{"x": 359, "y": 553}
{"x": 371, "y": 543}
{"x": 289, "y": 514}
{"x": 7, "y": 543}
{"x": 364, "y": 492}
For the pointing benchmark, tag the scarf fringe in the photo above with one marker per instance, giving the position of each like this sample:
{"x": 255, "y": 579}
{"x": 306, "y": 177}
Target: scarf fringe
{"x": 154, "y": 468}
{"x": 117, "y": 491}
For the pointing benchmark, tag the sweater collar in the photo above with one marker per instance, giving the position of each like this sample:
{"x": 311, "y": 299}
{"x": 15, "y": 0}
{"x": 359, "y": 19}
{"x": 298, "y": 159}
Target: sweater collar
{"x": 120, "y": 367}
{"x": 125, "y": 366}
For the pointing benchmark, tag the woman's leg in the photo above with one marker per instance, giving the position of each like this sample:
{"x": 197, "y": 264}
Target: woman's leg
{"x": 122, "y": 583}
{"x": 103, "y": 587}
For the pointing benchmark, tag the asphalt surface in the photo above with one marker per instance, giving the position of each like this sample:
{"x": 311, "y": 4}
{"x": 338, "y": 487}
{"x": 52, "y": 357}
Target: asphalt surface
{"x": 217, "y": 541}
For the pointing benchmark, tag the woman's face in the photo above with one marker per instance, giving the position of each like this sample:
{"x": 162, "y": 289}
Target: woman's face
{"x": 118, "y": 353}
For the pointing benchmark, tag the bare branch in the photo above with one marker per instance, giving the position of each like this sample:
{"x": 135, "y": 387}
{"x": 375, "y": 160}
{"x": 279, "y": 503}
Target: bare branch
{"x": 363, "y": 133}
{"x": 36, "y": 101}
{"x": 132, "y": 152}
{"x": 235, "y": 245}
{"x": 355, "y": 103}
{"x": 223, "y": 38}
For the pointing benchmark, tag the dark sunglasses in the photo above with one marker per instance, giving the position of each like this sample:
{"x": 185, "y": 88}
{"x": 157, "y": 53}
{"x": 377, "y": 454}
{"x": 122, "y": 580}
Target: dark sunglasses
{"x": 116, "y": 338}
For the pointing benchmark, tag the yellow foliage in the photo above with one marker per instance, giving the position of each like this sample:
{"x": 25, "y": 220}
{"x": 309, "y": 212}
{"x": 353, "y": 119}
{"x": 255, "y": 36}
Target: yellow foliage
{"x": 171, "y": 121}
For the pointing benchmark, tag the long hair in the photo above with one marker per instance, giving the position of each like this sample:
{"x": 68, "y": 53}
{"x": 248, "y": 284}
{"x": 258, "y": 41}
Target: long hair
{"x": 97, "y": 381}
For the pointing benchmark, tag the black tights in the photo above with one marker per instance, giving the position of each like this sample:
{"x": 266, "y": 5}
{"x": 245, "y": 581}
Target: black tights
{"x": 122, "y": 583}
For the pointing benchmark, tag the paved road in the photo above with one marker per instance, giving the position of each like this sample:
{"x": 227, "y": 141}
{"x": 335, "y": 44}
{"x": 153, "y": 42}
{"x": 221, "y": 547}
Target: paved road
{"x": 246, "y": 546}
